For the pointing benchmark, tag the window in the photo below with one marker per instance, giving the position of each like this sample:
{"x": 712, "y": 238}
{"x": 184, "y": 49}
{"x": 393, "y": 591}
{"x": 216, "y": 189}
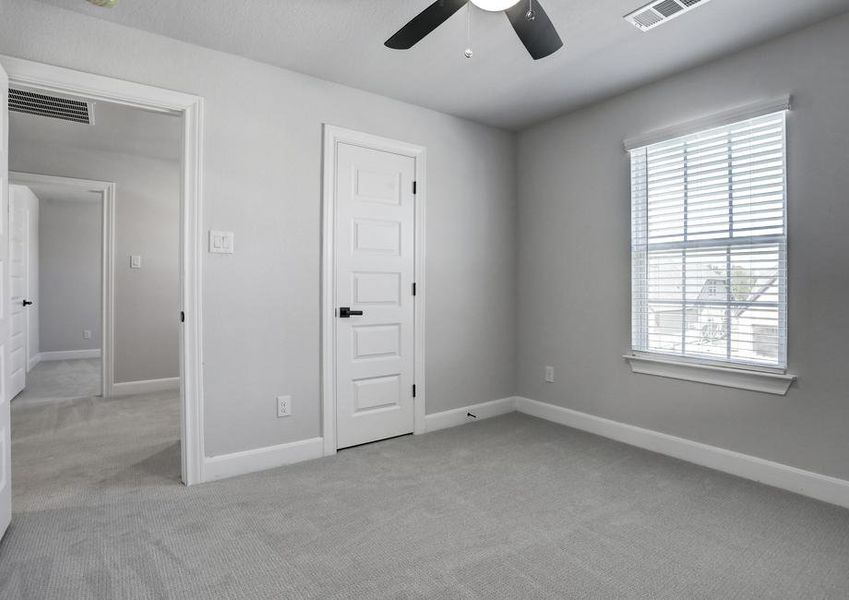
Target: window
{"x": 709, "y": 245}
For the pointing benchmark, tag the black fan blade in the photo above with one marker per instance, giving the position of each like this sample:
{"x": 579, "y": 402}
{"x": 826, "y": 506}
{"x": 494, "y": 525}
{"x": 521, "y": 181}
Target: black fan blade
{"x": 423, "y": 23}
{"x": 538, "y": 35}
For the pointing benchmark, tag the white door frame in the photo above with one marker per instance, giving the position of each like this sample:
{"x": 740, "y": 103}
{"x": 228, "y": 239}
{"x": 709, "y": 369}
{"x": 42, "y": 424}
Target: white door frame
{"x": 106, "y": 189}
{"x": 333, "y": 136}
{"x": 107, "y": 89}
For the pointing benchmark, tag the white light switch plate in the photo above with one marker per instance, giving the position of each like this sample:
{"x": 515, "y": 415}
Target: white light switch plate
{"x": 221, "y": 242}
{"x": 135, "y": 262}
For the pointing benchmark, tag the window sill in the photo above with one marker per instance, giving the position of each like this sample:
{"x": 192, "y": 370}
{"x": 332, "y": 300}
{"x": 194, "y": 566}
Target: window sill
{"x": 744, "y": 379}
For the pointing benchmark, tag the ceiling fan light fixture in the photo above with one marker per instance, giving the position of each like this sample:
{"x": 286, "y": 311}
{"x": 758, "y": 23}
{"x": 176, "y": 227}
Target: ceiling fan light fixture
{"x": 495, "y": 5}
{"x": 529, "y": 20}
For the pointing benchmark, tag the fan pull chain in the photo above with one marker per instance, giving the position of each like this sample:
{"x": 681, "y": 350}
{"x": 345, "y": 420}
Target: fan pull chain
{"x": 469, "y": 53}
{"x": 531, "y": 15}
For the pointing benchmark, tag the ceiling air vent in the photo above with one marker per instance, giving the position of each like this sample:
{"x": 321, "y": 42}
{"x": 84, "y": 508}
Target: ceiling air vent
{"x": 660, "y": 11}
{"x": 55, "y": 107}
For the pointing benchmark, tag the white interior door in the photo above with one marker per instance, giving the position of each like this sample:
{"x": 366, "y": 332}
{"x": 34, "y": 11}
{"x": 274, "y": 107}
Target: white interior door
{"x": 32, "y": 209}
{"x": 18, "y": 289}
{"x": 5, "y": 417}
{"x": 375, "y": 265}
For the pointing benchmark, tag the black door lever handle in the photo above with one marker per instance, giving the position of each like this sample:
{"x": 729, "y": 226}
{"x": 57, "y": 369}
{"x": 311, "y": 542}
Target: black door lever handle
{"x": 345, "y": 312}
{"x": 26, "y": 303}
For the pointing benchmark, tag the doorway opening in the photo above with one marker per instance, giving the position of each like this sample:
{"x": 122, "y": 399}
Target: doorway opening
{"x": 186, "y": 111}
{"x": 94, "y": 347}
{"x": 63, "y": 248}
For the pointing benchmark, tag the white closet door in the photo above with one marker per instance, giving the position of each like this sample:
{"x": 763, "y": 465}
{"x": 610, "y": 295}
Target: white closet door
{"x": 375, "y": 265}
{"x": 18, "y": 289}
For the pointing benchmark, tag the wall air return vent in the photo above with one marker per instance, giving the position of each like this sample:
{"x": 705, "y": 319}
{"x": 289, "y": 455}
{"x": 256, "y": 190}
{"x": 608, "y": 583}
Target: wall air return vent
{"x": 661, "y": 11}
{"x": 55, "y": 107}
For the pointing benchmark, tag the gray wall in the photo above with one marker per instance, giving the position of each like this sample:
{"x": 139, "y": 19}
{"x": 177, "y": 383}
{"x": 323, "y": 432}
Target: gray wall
{"x": 574, "y": 263}
{"x": 263, "y": 181}
{"x": 69, "y": 274}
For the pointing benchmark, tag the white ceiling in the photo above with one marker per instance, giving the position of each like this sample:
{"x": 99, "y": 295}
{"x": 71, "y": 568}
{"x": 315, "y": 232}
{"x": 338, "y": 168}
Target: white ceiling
{"x": 117, "y": 129}
{"x": 342, "y": 41}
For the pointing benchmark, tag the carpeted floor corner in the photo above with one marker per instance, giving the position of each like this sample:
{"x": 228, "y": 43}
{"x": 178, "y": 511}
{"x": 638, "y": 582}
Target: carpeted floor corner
{"x": 511, "y": 507}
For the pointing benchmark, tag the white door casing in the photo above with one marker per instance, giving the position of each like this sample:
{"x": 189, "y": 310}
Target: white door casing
{"x": 375, "y": 264}
{"x": 373, "y": 253}
{"x": 5, "y": 415}
{"x": 18, "y": 290}
{"x": 190, "y": 107}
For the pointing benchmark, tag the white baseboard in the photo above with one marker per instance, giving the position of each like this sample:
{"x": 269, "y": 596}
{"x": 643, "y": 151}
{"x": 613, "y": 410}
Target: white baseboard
{"x": 33, "y": 360}
{"x": 459, "y": 416}
{"x": 69, "y": 355}
{"x": 807, "y": 483}
{"x": 260, "y": 459}
{"x": 814, "y": 485}
{"x": 149, "y": 386}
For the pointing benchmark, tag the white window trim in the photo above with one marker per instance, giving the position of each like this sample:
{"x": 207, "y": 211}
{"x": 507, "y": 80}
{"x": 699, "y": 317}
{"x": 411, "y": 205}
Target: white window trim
{"x": 748, "y": 378}
{"x": 721, "y": 119}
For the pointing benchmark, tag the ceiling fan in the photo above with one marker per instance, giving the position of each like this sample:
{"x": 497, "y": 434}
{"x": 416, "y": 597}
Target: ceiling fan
{"x": 528, "y": 18}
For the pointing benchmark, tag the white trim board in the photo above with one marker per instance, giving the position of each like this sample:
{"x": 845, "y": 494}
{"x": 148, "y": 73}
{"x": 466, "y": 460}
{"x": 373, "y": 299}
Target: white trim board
{"x": 67, "y": 355}
{"x": 733, "y": 115}
{"x": 743, "y": 379}
{"x": 814, "y": 485}
{"x": 460, "y": 416}
{"x": 806, "y": 483}
{"x": 260, "y": 459}
{"x": 146, "y": 386}
{"x": 333, "y": 136}
{"x": 190, "y": 108}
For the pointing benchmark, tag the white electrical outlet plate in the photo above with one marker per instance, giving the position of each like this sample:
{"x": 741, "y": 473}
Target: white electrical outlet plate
{"x": 549, "y": 374}
{"x": 86, "y": 334}
{"x": 221, "y": 242}
{"x": 284, "y": 406}
{"x": 135, "y": 262}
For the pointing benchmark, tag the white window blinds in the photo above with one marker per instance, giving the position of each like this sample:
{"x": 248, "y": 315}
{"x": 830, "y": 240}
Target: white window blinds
{"x": 709, "y": 244}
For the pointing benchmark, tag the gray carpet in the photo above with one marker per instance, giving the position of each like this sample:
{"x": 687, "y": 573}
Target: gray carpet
{"x": 512, "y": 507}
{"x": 62, "y": 379}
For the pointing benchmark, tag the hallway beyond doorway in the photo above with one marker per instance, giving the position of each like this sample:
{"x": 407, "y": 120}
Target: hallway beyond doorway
{"x": 61, "y": 380}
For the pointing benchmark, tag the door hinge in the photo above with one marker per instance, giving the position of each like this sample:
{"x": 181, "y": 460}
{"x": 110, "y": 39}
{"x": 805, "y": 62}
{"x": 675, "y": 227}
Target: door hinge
{"x": 182, "y": 317}
{"x": 414, "y": 289}
{"x": 414, "y": 390}
{"x": 414, "y": 188}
